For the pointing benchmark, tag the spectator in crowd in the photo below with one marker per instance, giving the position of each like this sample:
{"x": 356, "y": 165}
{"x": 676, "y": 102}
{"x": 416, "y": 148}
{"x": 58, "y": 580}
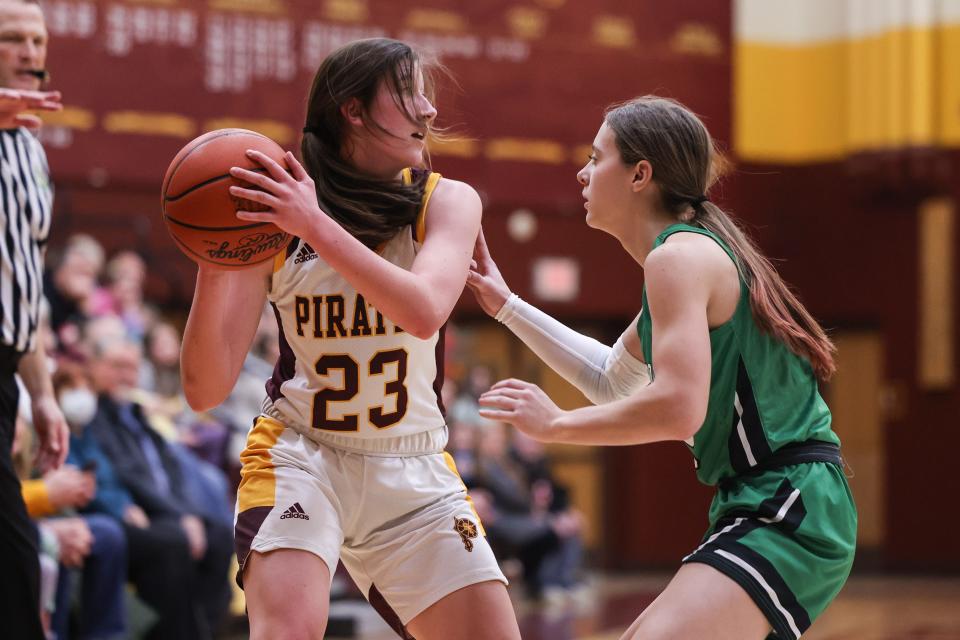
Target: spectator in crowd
{"x": 519, "y": 522}
{"x": 559, "y": 572}
{"x": 122, "y": 295}
{"x": 21, "y": 455}
{"x": 49, "y": 574}
{"x": 463, "y": 448}
{"x": 465, "y": 408}
{"x": 94, "y": 544}
{"x": 70, "y": 288}
{"x": 161, "y": 371}
{"x": 103, "y": 575}
{"x": 170, "y": 541}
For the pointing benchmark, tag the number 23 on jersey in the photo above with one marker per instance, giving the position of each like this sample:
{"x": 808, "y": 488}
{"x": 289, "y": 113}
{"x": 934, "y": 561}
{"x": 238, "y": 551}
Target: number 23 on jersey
{"x": 328, "y": 363}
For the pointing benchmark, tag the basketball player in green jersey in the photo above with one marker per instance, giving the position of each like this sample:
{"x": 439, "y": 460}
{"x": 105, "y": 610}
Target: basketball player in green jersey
{"x": 723, "y": 356}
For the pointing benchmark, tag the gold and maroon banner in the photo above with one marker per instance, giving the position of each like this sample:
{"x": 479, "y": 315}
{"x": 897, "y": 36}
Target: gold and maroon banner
{"x": 140, "y": 78}
{"x": 821, "y": 80}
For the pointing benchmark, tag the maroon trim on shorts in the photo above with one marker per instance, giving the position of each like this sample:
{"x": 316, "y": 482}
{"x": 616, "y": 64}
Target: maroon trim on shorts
{"x": 246, "y": 529}
{"x": 378, "y": 602}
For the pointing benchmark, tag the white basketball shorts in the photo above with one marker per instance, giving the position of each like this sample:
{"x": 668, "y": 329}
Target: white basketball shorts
{"x": 403, "y": 525}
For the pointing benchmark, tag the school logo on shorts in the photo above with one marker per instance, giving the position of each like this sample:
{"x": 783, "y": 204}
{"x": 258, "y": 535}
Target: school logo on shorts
{"x": 467, "y": 530}
{"x": 296, "y": 511}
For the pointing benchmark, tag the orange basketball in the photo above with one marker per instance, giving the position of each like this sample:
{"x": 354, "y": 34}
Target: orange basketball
{"x": 199, "y": 211}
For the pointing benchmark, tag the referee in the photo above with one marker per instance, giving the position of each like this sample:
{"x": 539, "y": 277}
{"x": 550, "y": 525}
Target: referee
{"x": 25, "y": 201}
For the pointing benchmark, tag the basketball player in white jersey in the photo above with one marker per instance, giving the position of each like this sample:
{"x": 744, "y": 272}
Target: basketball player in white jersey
{"x": 346, "y": 461}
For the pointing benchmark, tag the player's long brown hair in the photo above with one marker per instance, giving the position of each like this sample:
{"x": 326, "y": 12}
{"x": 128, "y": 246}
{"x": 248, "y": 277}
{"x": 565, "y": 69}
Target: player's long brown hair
{"x": 685, "y": 163}
{"x": 371, "y": 209}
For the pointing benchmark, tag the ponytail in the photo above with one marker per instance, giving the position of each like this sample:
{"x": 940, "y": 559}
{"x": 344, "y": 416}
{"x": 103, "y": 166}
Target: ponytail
{"x": 776, "y": 309}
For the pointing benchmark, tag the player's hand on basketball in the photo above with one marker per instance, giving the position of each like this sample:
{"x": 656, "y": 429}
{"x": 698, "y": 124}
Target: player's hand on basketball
{"x": 13, "y": 103}
{"x": 290, "y": 197}
{"x": 522, "y": 404}
{"x": 484, "y": 279}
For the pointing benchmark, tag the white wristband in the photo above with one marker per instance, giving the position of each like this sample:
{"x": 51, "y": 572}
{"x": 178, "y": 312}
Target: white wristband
{"x": 507, "y": 308}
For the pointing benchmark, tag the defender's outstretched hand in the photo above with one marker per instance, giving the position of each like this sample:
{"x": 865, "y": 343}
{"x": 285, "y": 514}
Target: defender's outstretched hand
{"x": 522, "y": 404}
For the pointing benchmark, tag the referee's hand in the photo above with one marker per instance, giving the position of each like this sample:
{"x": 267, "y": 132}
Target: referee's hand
{"x": 52, "y": 433}
{"x": 14, "y": 102}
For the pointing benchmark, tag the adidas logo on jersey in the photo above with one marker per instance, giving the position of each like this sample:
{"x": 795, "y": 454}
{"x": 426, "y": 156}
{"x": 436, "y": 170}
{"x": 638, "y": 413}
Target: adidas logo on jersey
{"x": 305, "y": 254}
{"x": 296, "y": 511}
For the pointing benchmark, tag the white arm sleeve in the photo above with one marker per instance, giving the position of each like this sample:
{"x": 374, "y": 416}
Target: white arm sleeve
{"x": 601, "y": 373}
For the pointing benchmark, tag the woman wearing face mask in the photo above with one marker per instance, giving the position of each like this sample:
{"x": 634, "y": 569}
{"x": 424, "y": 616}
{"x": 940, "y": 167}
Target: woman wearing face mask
{"x": 736, "y": 360}
{"x": 346, "y": 461}
{"x": 95, "y": 538}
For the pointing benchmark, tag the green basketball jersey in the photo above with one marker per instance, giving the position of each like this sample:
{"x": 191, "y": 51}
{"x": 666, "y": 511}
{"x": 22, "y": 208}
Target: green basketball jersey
{"x": 762, "y": 395}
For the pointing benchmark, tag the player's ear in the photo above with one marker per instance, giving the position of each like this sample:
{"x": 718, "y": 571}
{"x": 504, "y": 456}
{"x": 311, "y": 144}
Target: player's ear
{"x": 642, "y": 175}
{"x": 352, "y": 111}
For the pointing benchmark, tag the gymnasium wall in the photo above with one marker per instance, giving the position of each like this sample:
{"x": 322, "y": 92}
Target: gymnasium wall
{"x": 141, "y": 77}
{"x": 845, "y": 127}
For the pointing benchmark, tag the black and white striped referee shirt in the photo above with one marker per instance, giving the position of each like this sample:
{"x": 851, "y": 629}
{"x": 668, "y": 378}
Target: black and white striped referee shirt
{"x": 25, "y": 203}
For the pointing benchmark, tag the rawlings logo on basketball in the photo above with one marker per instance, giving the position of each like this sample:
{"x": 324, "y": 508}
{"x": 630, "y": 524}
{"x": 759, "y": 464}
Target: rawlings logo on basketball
{"x": 247, "y": 247}
{"x": 467, "y": 530}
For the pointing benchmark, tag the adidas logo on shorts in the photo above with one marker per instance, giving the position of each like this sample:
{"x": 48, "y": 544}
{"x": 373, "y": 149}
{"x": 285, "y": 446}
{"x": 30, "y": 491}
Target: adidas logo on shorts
{"x": 305, "y": 254}
{"x": 296, "y": 511}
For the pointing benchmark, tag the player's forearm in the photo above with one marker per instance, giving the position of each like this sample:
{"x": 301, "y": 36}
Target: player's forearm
{"x": 652, "y": 414}
{"x": 406, "y": 298}
{"x": 219, "y": 330}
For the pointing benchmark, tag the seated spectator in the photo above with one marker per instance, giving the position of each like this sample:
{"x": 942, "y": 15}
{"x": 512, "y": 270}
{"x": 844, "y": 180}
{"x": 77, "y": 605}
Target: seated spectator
{"x": 21, "y": 457}
{"x": 465, "y": 408}
{"x": 179, "y": 557}
{"x": 92, "y": 543}
{"x": 122, "y": 294}
{"x": 49, "y": 574}
{"x": 559, "y": 572}
{"x": 160, "y": 373}
{"x": 70, "y": 288}
{"x": 518, "y": 519}
{"x": 463, "y": 449}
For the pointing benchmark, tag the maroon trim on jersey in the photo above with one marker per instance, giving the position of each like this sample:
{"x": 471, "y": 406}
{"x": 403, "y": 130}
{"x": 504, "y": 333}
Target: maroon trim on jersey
{"x": 438, "y": 381}
{"x": 418, "y": 177}
{"x": 285, "y": 367}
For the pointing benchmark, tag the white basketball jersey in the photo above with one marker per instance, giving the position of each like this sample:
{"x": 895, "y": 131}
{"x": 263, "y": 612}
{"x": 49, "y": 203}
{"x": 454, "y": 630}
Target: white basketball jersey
{"x": 344, "y": 367}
